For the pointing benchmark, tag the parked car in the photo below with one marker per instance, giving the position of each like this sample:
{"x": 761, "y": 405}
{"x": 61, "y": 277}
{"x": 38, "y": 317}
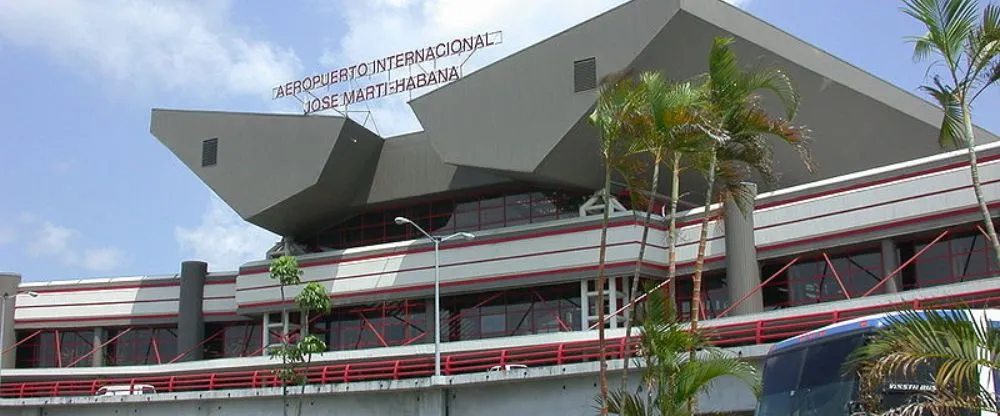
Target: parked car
{"x": 126, "y": 390}
{"x": 507, "y": 367}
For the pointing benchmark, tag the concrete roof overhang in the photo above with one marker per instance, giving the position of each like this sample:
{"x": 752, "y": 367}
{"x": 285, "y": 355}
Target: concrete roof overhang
{"x": 521, "y": 115}
{"x": 519, "y": 119}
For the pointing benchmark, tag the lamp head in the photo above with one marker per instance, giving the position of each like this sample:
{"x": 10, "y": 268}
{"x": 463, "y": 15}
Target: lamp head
{"x": 32, "y": 293}
{"x": 467, "y": 236}
{"x": 401, "y": 221}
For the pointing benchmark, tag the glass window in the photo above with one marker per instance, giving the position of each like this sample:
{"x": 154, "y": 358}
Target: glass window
{"x": 781, "y": 375}
{"x": 825, "y": 361}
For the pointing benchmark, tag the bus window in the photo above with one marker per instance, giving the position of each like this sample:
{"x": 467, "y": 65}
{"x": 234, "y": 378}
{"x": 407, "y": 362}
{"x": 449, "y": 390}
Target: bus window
{"x": 824, "y": 389}
{"x": 781, "y": 375}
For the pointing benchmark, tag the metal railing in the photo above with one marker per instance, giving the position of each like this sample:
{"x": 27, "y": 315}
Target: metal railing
{"x": 550, "y": 354}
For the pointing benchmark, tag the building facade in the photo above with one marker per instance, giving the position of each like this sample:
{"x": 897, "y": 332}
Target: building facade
{"x": 507, "y": 155}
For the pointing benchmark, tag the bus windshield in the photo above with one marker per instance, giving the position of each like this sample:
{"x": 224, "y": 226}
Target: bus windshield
{"x": 809, "y": 380}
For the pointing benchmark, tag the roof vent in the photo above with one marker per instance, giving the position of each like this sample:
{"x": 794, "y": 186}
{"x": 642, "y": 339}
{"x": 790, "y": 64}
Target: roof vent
{"x": 585, "y": 74}
{"x": 209, "y": 151}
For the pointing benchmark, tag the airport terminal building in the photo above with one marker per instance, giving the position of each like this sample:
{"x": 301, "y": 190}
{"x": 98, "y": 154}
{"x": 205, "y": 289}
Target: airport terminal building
{"x": 506, "y": 153}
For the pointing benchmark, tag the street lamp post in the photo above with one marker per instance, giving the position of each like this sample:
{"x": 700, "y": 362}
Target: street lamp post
{"x": 3, "y": 318}
{"x": 437, "y": 284}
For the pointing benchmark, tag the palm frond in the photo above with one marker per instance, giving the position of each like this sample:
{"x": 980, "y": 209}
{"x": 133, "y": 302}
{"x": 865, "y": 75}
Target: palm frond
{"x": 694, "y": 377}
{"x": 779, "y": 83}
{"x": 948, "y": 23}
{"x": 953, "y": 344}
{"x": 628, "y": 404}
{"x": 952, "y": 134}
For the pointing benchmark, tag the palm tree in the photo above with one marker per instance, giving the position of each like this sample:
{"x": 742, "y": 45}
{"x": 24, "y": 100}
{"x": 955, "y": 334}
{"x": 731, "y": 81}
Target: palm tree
{"x": 968, "y": 47}
{"x": 667, "y": 113}
{"x": 736, "y": 124}
{"x": 613, "y": 117}
{"x": 955, "y": 344}
{"x": 671, "y": 379}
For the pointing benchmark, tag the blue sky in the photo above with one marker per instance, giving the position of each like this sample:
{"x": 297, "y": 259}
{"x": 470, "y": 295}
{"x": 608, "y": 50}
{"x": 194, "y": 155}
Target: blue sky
{"x": 89, "y": 192}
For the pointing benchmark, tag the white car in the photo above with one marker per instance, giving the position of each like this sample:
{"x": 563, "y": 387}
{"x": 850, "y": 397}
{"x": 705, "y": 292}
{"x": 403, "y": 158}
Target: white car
{"x": 507, "y": 367}
{"x": 126, "y": 390}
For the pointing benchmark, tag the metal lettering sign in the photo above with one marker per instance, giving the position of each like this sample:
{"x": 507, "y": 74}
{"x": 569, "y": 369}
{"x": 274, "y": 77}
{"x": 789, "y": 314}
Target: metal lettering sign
{"x": 352, "y": 92}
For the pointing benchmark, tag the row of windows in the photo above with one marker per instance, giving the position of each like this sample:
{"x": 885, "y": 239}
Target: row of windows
{"x": 72, "y": 348}
{"x": 484, "y": 212}
{"x": 537, "y": 310}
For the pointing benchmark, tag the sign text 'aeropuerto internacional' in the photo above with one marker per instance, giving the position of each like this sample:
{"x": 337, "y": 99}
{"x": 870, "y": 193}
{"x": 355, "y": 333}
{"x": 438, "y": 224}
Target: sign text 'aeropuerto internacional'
{"x": 386, "y": 64}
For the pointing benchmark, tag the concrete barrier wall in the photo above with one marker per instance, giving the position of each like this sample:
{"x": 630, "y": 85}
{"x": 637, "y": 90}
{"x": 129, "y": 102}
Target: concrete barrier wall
{"x": 552, "y": 391}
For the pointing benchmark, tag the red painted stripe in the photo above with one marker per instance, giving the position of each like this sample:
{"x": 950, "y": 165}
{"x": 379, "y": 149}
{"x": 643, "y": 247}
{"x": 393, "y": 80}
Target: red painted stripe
{"x": 879, "y": 204}
{"x": 128, "y": 286}
{"x": 840, "y": 212}
{"x": 901, "y": 223}
{"x": 877, "y": 182}
{"x": 117, "y": 302}
{"x": 405, "y": 251}
{"x": 115, "y": 318}
{"x": 777, "y": 246}
{"x": 462, "y": 263}
{"x": 657, "y": 226}
{"x": 709, "y": 260}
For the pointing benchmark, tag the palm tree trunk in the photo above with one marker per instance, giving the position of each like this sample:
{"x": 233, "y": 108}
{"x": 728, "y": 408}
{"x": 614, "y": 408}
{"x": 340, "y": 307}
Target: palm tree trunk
{"x": 672, "y": 247}
{"x": 976, "y": 185}
{"x": 601, "y": 281}
{"x": 699, "y": 263}
{"x": 629, "y": 316}
{"x": 284, "y": 344}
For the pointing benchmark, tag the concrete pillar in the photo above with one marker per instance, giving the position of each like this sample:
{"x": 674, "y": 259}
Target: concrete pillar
{"x": 433, "y": 402}
{"x": 97, "y": 359}
{"x": 9, "y": 283}
{"x": 742, "y": 269}
{"x": 890, "y": 261}
{"x": 190, "y": 321}
{"x": 429, "y": 325}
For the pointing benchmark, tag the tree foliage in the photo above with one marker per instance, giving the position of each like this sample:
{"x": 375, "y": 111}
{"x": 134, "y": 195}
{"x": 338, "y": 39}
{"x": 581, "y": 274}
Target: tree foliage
{"x": 966, "y": 47}
{"x": 956, "y": 347}
{"x": 670, "y": 377}
{"x": 295, "y": 352}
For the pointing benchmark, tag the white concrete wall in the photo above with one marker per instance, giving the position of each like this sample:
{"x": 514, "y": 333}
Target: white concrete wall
{"x": 118, "y": 301}
{"x": 554, "y": 249}
{"x": 565, "y": 391}
{"x": 840, "y": 211}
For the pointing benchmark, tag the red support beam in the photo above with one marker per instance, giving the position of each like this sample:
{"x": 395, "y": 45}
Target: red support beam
{"x": 198, "y": 345}
{"x": 59, "y": 361}
{"x": 835, "y": 275}
{"x": 156, "y": 346}
{"x": 25, "y": 339}
{"x": 93, "y": 350}
{"x": 762, "y": 284}
{"x": 375, "y": 331}
{"x": 634, "y": 301}
{"x": 414, "y": 339}
{"x": 536, "y": 355}
{"x": 905, "y": 264}
{"x": 476, "y": 306}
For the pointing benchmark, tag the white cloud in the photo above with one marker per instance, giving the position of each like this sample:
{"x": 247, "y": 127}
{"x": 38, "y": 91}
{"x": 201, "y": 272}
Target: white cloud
{"x": 173, "y": 45}
{"x": 7, "y": 234}
{"x": 406, "y": 24}
{"x": 102, "y": 259}
{"x": 53, "y": 242}
{"x": 64, "y": 166}
{"x": 223, "y": 239}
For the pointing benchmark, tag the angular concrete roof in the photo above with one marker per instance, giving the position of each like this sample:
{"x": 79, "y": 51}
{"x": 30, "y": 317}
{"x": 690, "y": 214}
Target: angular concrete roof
{"x": 519, "y": 119}
{"x": 533, "y": 122}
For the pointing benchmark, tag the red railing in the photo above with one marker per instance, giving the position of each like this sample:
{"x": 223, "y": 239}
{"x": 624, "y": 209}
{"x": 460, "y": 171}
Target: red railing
{"x": 735, "y": 334}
